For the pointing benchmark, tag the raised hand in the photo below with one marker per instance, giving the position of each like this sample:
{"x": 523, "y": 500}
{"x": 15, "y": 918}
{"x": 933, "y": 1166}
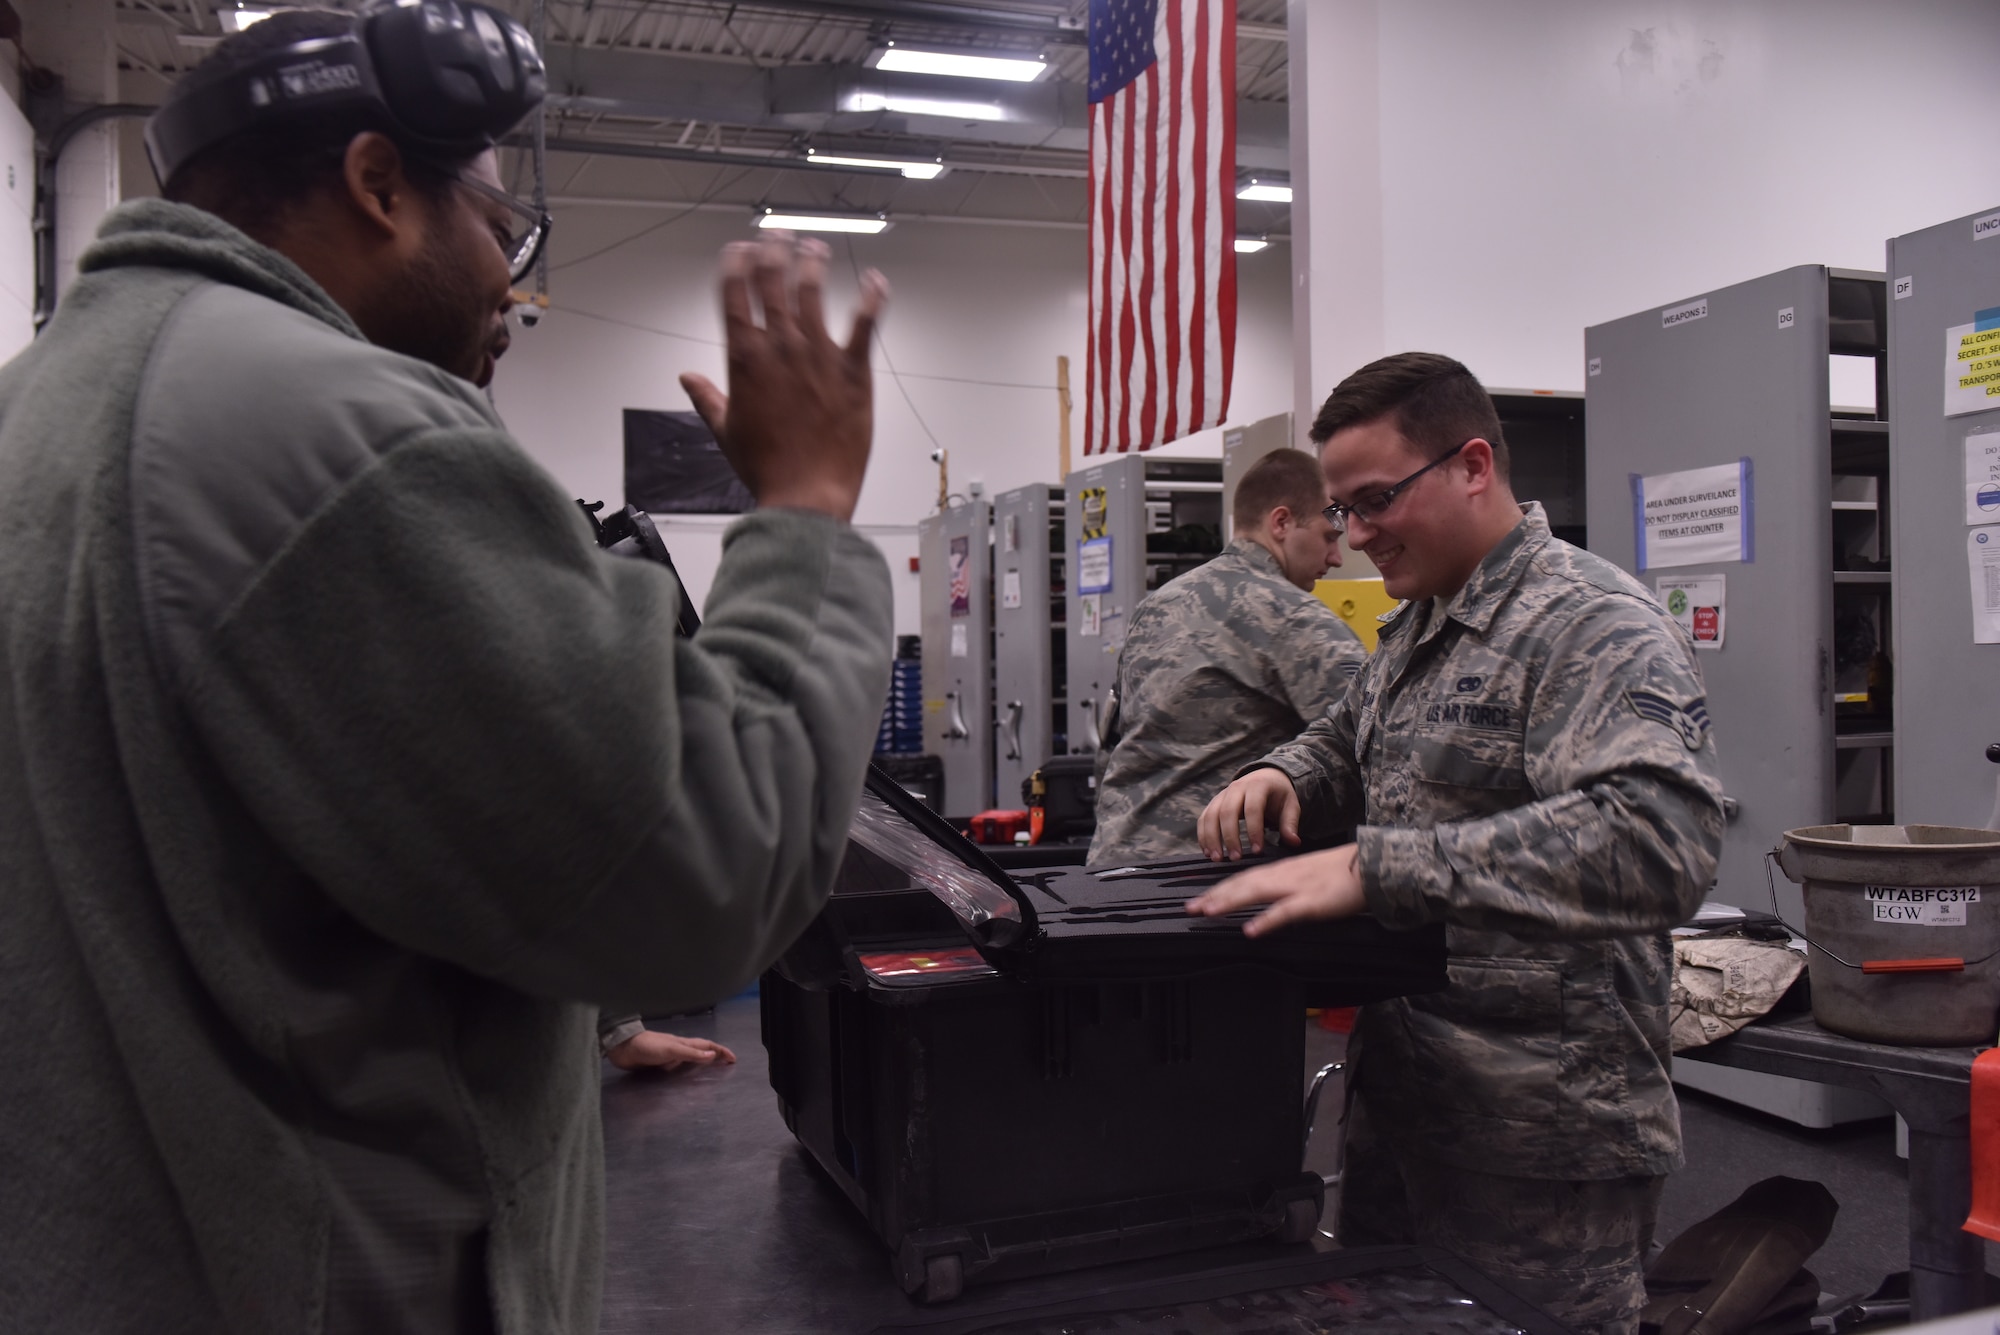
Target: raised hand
{"x": 798, "y": 421}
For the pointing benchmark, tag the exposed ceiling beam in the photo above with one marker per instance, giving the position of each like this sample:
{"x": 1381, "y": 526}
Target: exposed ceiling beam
{"x": 820, "y": 99}
{"x": 746, "y": 210}
{"x": 779, "y": 160}
{"x": 1049, "y": 24}
{"x": 621, "y": 148}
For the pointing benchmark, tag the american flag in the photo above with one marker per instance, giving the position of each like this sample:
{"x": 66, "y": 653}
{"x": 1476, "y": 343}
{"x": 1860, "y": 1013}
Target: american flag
{"x": 1162, "y": 220}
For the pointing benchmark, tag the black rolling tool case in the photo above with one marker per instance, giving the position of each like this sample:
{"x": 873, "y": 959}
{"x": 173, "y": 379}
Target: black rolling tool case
{"x": 1056, "y": 1068}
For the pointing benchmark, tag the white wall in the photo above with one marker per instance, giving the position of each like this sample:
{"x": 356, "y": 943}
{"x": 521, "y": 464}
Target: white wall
{"x": 76, "y": 39}
{"x": 17, "y": 240}
{"x": 1550, "y": 164}
{"x": 979, "y": 316}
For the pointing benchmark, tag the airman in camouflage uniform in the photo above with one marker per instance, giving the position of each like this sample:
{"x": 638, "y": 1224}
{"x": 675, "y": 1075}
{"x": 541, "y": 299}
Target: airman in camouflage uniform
{"x": 1529, "y": 760}
{"x": 1217, "y": 668}
{"x": 1533, "y": 767}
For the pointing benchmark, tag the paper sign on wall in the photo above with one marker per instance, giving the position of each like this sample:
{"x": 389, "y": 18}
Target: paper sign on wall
{"x": 1982, "y": 560}
{"x": 1982, "y": 476}
{"x": 1093, "y": 565}
{"x": 1090, "y": 611}
{"x": 1700, "y": 603}
{"x": 1010, "y": 589}
{"x": 961, "y": 642}
{"x": 1972, "y": 365}
{"x": 1694, "y": 517}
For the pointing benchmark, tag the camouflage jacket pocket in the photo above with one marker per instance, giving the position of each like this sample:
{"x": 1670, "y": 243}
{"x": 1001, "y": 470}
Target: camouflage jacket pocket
{"x": 1470, "y": 758}
{"x": 1491, "y": 1042}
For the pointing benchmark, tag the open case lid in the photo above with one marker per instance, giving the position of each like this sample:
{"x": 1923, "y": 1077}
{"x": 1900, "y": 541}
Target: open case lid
{"x": 897, "y": 827}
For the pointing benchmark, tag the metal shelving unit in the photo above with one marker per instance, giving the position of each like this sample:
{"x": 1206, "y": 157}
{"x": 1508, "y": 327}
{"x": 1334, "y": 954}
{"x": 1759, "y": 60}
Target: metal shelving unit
{"x": 1945, "y": 281}
{"x": 1030, "y": 647}
{"x": 1131, "y": 524}
{"x": 1798, "y": 691}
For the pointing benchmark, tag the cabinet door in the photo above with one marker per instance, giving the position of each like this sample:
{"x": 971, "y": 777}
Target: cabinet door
{"x": 1737, "y": 373}
{"x": 1021, "y": 632}
{"x": 958, "y": 652}
{"x": 1105, "y": 520}
{"x": 1947, "y": 686}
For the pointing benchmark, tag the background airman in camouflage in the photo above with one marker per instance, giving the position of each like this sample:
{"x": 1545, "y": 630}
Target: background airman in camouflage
{"x": 1529, "y": 758}
{"x": 1221, "y": 665}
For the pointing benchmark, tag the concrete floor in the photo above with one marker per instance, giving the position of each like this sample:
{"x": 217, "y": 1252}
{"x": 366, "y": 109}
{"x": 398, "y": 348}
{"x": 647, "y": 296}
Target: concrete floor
{"x": 1729, "y": 1147}
{"x": 718, "y": 1223}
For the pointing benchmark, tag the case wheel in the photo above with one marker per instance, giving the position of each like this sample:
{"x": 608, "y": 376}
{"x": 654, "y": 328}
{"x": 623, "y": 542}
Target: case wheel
{"x": 944, "y": 1278}
{"x": 1301, "y": 1218}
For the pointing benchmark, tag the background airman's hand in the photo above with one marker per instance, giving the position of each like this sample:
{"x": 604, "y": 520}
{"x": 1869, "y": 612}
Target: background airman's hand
{"x": 667, "y": 1052}
{"x": 1262, "y": 796}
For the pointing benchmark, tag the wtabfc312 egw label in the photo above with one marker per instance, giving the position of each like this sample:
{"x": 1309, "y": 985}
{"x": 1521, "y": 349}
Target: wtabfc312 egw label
{"x": 1922, "y": 905}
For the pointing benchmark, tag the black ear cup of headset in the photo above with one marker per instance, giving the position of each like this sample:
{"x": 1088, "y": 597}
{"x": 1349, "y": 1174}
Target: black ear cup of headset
{"x": 450, "y": 76}
{"x": 451, "y": 72}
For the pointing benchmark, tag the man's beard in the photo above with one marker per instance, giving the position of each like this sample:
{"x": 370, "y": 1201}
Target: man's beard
{"x": 438, "y": 315}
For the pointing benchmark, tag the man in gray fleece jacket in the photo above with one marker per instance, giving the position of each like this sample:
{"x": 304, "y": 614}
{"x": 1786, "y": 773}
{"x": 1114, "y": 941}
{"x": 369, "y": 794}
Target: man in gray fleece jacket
{"x": 342, "y": 778}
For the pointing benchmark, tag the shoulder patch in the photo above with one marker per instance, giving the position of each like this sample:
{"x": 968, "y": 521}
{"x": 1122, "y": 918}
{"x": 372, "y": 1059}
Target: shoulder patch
{"x": 1689, "y": 722}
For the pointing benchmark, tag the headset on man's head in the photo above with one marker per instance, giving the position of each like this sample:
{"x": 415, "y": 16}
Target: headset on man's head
{"x": 450, "y": 76}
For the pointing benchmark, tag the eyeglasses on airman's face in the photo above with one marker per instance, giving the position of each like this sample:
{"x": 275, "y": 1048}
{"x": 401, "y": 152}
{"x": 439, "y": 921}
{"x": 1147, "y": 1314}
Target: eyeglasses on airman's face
{"x": 522, "y": 241}
{"x": 1376, "y": 503}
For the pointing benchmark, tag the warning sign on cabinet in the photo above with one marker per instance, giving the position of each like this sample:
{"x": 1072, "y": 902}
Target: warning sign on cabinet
{"x": 1694, "y": 517}
{"x": 1982, "y": 476}
{"x": 1700, "y": 603}
{"x": 1093, "y": 565}
{"x": 1972, "y": 365}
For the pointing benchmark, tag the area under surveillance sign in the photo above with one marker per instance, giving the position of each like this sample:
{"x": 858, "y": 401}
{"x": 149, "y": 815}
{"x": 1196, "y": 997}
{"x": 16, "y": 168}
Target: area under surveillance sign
{"x": 1696, "y": 517}
{"x": 1922, "y": 905}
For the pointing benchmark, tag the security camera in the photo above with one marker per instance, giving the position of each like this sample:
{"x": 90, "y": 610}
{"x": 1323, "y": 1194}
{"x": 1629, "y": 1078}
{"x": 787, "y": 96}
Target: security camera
{"x": 531, "y": 315}
{"x": 937, "y": 456}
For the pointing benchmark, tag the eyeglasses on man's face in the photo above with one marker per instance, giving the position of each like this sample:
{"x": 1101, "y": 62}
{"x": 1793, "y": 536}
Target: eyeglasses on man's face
{"x": 528, "y": 232}
{"x": 1375, "y": 503}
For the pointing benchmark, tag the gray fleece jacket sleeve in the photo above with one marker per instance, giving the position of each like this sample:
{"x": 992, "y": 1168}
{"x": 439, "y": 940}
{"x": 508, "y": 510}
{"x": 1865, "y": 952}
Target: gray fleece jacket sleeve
{"x": 481, "y": 737}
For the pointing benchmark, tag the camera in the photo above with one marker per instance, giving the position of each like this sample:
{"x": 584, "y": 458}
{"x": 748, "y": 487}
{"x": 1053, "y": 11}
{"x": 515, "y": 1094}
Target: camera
{"x": 530, "y": 313}
{"x": 937, "y": 456}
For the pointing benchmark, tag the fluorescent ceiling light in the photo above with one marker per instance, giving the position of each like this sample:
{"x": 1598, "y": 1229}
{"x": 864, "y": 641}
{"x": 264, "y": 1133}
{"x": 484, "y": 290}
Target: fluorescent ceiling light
{"x": 916, "y": 171}
{"x": 1250, "y": 245}
{"x": 1266, "y": 192}
{"x": 822, "y": 222}
{"x": 236, "y": 20}
{"x": 926, "y": 106}
{"x": 960, "y": 64}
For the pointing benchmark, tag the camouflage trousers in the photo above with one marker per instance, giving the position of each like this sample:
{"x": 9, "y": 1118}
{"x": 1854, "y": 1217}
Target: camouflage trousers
{"x": 1574, "y": 1249}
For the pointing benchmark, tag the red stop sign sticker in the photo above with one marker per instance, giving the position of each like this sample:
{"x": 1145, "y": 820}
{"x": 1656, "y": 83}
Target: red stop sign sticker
{"x": 1707, "y": 623}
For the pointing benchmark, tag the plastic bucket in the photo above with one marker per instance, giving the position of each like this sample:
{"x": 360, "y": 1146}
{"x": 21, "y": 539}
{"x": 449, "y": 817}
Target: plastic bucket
{"x": 1904, "y": 922}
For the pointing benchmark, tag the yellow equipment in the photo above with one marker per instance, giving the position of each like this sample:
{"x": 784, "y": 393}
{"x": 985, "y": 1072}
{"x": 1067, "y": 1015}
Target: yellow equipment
{"x": 1358, "y": 602}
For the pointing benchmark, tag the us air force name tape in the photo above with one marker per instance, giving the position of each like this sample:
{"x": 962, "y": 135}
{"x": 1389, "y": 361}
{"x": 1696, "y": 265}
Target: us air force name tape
{"x": 451, "y": 77}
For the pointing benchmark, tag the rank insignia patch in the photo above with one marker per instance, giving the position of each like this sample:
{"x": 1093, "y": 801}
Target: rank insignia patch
{"x": 1688, "y": 722}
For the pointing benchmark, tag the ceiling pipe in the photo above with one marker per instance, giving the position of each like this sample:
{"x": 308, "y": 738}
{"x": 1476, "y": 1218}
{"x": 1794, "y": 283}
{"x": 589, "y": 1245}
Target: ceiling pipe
{"x": 613, "y": 148}
{"x": 46, "y": 160}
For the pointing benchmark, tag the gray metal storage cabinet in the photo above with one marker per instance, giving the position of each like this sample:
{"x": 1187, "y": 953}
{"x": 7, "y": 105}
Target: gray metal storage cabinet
{"x": 1241, "y": 449}
{"x": 1131, "y": 524}
{"x": 1739, "y": 377}
{"x": 1029, "y": 683}
{"x": 955, "y": 568}
{"x": 1944, "y": 279}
